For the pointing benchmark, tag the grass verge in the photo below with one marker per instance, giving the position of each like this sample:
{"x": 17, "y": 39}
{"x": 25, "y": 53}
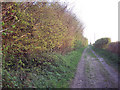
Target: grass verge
{"x": 57, "y": 74}
{"x": 110, "y": 58}
{"x": 90, "y": 53}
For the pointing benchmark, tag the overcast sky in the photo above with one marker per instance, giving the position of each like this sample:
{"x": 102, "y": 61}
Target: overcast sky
{"x": 100, "y": 17}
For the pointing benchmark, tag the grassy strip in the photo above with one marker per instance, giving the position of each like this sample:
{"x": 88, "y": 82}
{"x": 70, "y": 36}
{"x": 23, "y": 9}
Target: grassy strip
{"x": 57, "y": 74}
{"x": 110, "y": 58}
{"x": 90, "y": 53}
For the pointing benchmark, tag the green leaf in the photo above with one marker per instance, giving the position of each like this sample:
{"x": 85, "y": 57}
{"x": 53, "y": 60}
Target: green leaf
{"x": 11, "y": 31}
{"x": 6, "y": 48}
{"x": 13, "y": 11}
{"x": 16, "y": 17}
{"x": 8, "y": 11}
{"x": 13, "y": 26}
{"x": 3, "y": 33}
{"x": 3, "y": 23}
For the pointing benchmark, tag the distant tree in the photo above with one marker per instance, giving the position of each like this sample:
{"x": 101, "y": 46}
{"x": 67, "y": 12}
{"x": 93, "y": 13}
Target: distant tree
{"x": 102, "y": 43}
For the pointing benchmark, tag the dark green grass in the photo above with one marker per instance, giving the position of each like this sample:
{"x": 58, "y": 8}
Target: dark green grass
{"x": 57, "y": 74}
{"x": 60, "y": 76}
{"x": 110, "y": 58}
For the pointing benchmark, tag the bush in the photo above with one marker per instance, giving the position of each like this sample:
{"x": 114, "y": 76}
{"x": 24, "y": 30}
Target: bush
{"x": 57, "y": 74}
{"x": 34, "y": 32}
{"x": 102, "y": 43}
{"x": 111, "y": 58}
{"x": 114, "y": 47}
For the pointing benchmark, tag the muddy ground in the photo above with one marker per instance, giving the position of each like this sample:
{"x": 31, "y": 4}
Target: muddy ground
{"x": 93, "y": 72}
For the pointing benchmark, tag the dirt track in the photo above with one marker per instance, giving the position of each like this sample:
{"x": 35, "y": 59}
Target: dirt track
{"x": 93, "y": 72}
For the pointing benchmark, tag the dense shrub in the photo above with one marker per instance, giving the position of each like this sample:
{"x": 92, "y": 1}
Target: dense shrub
{"x": 29, "y": 28}
{"x": 102, "y": 43}
{"x": 32, "y": 32}
{"x": 114, "y": 47}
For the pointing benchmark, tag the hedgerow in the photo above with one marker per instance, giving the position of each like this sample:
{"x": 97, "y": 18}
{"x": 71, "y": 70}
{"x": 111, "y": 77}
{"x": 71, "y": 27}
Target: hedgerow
{"x": 33, "y": 31}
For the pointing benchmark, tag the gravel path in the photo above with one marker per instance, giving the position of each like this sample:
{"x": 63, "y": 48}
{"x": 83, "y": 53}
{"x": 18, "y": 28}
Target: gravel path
{"x": 93, "y": 72}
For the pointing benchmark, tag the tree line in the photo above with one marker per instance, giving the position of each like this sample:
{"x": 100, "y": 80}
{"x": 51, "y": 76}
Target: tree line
{"x": 105, "y": 43}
